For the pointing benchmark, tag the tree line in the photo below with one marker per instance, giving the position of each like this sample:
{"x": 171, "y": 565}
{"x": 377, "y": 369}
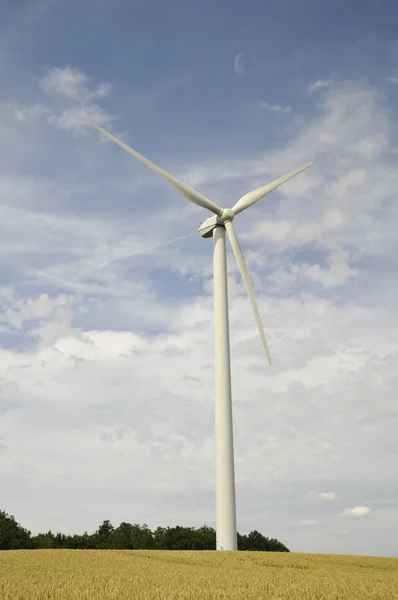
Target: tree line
{"x": 128, "y": 537}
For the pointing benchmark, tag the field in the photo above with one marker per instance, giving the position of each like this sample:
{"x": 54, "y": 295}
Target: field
{"x": 172, "y": 575}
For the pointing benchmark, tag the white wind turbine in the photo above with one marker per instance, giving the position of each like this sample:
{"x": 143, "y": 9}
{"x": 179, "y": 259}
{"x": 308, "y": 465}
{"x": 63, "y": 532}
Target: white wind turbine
{"x": 215, "y": 227}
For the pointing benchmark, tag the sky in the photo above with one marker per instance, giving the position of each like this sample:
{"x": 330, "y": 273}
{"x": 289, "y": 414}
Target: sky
{"x": 106, "y": 315}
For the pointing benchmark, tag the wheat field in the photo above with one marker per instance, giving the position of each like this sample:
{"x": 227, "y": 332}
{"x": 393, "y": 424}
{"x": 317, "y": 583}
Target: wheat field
{"x": 174, "y": 575}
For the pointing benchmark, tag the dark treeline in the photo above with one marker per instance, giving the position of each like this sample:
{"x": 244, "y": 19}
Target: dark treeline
{"x": 128, "y": 537}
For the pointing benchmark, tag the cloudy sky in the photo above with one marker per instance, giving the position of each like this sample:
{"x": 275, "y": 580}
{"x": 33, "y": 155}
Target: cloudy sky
{"x": 106, "y": 322}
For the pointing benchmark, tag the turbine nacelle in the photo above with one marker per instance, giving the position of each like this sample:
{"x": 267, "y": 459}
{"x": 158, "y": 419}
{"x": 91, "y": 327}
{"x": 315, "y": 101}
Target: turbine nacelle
{"x": 206, "y": 228}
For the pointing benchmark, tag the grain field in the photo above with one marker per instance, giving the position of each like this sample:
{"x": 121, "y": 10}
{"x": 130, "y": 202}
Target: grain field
{"x": 172, "y": 575}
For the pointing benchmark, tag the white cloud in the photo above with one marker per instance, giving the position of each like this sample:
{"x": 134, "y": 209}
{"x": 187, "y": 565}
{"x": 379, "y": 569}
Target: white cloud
{"x": 322, "y": 495}
{"x": 327, "y": 495}
{"x": 337, "y": 273}
{"x": 335, "y": 210}
{"x": 356, "y": 511}
{"x": 274, "y": 107}
{"x": 309, "y": 522}
{"x": 393, "y": 79}
{"x": 238, "y": 64}
{"x": 28, "y": 114}
{"x": 40, "y": 308}
{"x": 79, "y": 118}
{"x": 73, "y": 83}
{"x": 70, "y": 85}
{"x": 319, "y": 84}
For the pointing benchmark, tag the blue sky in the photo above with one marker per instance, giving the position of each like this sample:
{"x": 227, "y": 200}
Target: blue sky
{"x": 105, "y": 286}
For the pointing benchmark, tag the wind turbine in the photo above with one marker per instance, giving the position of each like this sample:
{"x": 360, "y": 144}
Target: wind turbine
{"x": 216, "y": 227}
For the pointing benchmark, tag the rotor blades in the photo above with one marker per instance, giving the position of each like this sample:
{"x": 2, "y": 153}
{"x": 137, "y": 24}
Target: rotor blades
{"x": 246, "y": 280}
{"x": 255, "y": 195}
{"x": 188, "y": 192}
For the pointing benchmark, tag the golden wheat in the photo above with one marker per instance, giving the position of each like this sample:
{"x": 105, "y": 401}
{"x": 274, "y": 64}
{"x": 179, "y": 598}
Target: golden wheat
{"x": 172, "y": 575}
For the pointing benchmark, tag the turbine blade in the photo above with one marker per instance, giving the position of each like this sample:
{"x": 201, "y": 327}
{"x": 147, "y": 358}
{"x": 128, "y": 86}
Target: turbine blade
{"x": 188, "y": 192}
{"x": 255, "y": 195}
{"x": 246, "y": 280}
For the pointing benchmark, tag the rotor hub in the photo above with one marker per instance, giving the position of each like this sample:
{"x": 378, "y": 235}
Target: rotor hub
{"x": 226, "y": 215}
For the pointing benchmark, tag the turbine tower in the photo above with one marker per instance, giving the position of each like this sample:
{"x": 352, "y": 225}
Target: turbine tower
{"x": 216, "y": 227}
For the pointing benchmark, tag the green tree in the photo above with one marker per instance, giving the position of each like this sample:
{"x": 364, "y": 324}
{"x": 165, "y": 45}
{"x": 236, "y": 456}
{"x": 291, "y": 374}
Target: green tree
{"x": 185, "y": 538}
{"x": 204, "y": 538}
{"x": 277, "y": 546}
{"x": 43, "y": 540}
{"x": 103, "y": 534}
{"x": 130, "y": 537}
{"x": 256, "y": 542}
{"x": 12, "y": 535}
